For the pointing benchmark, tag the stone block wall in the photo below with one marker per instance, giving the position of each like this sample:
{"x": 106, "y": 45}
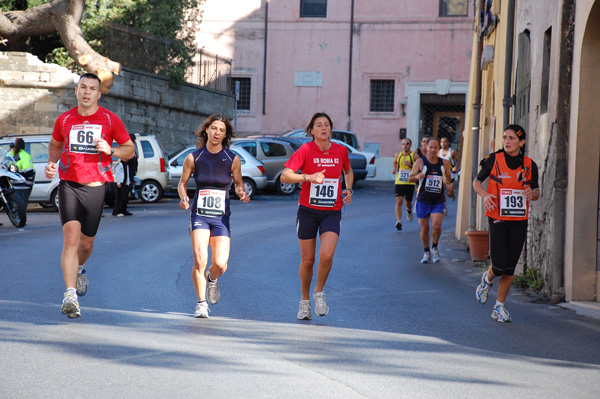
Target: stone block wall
{"x": 33, "y": 94}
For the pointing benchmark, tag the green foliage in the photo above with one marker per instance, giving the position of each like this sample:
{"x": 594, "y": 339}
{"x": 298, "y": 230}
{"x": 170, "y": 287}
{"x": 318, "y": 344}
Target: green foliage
{"x": 61, "y": 56}
{"x": 531, "y": 279}
{"x": 173, "y": 20}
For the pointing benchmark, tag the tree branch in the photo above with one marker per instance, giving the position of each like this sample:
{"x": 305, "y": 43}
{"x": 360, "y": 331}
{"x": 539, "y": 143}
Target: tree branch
{"x": 64, "y": 17}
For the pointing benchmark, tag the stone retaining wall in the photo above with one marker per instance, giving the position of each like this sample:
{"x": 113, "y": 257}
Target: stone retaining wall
{"x": 33, "y": 94}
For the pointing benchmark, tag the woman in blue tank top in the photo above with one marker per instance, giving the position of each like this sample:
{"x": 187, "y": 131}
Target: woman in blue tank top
{"x": 213, "y": 166}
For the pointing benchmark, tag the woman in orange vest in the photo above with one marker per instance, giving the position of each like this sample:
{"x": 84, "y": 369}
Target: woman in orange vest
{"x": 513, "y": 184}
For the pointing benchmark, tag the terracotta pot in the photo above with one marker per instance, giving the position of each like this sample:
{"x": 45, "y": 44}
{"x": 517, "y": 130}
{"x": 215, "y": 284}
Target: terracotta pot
{"x": 479, "y": 244}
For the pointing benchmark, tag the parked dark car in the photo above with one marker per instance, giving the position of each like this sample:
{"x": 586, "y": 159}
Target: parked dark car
{"x": 273, "y": 154}
{"x": 357, "y": 162}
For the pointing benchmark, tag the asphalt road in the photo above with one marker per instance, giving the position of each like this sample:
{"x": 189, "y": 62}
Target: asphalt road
{"x": 396, "y": 328}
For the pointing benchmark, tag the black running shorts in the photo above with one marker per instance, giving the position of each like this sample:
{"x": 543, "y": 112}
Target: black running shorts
{"x": 310, "y": 221}
{"x": 82, "y": 203}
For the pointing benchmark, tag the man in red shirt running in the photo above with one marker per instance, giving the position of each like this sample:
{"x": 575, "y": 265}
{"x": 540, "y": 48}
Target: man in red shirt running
{"x": 82, "y": 140}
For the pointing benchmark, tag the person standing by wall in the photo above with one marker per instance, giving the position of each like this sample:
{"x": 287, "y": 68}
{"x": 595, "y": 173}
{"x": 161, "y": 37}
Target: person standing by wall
{"x": 82, "y": 140}
{"x": 319, "y": 209}
{"x": 123, "y": 183}
{"x": 513, "y": 184}
{"x": 404, "y": 190}
{"x": 133, "y": 167}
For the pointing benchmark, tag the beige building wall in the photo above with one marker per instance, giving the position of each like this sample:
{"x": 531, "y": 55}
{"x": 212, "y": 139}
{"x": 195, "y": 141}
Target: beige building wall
{"x": 490, "y": 121}
{"x": 579, "y": 272}
{"x": 581, "y": 235}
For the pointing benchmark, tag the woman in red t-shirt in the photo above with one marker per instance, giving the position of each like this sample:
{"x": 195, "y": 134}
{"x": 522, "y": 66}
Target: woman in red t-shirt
{"x": 319, "y": 210}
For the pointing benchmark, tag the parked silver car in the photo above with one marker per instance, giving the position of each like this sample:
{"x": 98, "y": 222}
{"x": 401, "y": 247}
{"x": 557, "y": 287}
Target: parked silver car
{"x": 253, "y": 171}
{"x": 371, "y": 167}
{"x": 273, "y": 154}
{"x": 153, "y": 168}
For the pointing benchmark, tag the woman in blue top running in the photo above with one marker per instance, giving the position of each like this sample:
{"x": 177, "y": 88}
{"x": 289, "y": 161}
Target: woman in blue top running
{"x": 213, "y": 166}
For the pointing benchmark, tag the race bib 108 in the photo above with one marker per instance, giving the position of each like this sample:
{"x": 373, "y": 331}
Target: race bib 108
{"x": 211, "y": 203}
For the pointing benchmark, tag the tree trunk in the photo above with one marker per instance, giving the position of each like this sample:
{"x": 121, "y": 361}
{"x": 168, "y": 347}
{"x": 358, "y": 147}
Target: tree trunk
{"x": 62, "y": 17}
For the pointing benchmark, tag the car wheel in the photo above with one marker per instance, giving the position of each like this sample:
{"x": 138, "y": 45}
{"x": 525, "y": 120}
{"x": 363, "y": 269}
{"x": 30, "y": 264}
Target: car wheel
{"x": 151, "y": 191}
{"x": 250, "y": 187}
{"x": 284, "y": 188}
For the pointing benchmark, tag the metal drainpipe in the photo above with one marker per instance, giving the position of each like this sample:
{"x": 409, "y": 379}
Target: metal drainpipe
{"x": 507, "y": 102}
{"x": 264, "y": 89}
{"x": 350, "y": 59}
{"x": 561, "y": 167}
{"x": 475, "y": 128}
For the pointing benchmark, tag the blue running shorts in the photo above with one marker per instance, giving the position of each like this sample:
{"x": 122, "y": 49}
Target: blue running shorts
{"x": 218, "y": 226}
{"x": 424, "y": 210}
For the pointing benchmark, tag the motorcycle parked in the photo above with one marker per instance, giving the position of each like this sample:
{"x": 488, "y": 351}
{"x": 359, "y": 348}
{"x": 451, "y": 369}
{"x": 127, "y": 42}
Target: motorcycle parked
{"x": 10, "y": 200}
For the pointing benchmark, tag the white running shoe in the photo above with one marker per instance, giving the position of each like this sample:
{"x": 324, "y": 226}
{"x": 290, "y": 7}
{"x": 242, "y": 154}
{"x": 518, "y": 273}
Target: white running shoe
{"x": 425, "y": 257}
{"x": 212, "y": 291}
{"x": 483, "y": 289}
{"x": 501, "y": 314}
{"x": 409, "y": 215}
{"x": 321, "y": 307}
{"x": 82, "y": 284}
{"x": 304, "y": 311}
{"x": 435, "y": 255}
{"x": 201, "y": 310}
{"x": 70, "y": 306}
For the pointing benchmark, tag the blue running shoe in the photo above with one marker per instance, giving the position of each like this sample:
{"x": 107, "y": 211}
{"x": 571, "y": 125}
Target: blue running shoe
{"x": 82, "y": 284}
{"x": 501, "y": 314}
{"x": 483, "y": 289}
{"x": 435, "y": 255}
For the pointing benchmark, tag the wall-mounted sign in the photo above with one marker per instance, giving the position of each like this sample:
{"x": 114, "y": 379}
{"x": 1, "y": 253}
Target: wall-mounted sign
{"x": 308, "y": 79}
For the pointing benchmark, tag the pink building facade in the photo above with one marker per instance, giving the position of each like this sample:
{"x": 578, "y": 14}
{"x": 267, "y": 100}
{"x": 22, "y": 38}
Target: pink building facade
{"x": 382, "y": 69}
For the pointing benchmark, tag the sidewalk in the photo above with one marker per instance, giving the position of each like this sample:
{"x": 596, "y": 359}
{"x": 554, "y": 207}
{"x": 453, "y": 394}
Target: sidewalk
{"x": 583, "y": 308}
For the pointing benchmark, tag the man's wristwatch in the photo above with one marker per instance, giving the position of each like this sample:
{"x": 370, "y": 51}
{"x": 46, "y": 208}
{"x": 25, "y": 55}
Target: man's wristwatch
{"x": 112, "y": 151}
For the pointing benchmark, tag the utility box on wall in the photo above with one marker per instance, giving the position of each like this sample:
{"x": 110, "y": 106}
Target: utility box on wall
{"x": 373, "y": 148}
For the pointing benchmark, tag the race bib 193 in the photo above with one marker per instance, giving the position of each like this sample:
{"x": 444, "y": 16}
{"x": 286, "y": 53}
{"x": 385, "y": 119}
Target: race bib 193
{"x": 81, "y": 138}
{"x": 512, "y": 202}
{"x": 211, "y": 202}
{"x": 324, "y": 194}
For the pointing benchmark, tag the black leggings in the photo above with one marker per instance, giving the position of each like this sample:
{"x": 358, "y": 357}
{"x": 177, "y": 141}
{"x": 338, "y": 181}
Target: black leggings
{"x": 82, "y": 203}
{"x": 506, "y": 243}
